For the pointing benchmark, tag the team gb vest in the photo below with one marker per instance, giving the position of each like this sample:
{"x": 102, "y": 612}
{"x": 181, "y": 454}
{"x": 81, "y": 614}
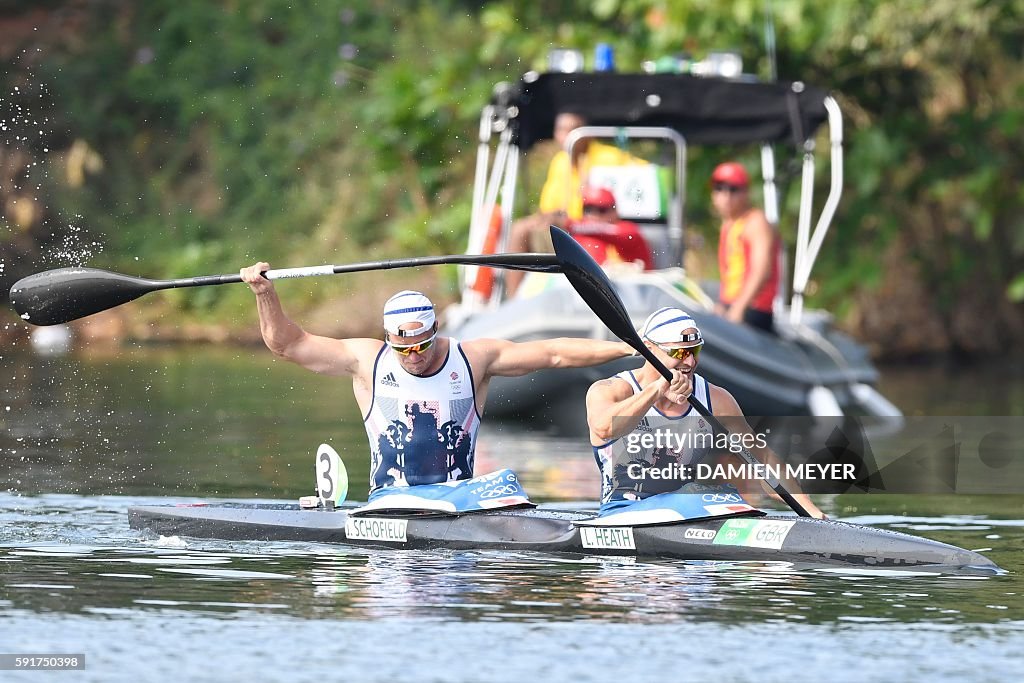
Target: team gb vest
{"x": 641, "y": 463}
{"x": 421, "y": 429}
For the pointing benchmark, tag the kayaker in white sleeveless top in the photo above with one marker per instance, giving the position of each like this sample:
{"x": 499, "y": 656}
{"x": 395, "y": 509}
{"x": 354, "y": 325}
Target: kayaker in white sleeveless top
{"x": 432, "y": 418}
{"x": 421, "y": 395}
{"x": 633, "y": 469}
{"x": 621, "y": 409}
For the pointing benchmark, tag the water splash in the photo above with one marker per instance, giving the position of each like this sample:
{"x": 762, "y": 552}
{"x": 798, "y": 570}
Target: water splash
{"x": 26, "y": 135}
{"x": 75, "y": 248}
{"x": 168, "y": 542}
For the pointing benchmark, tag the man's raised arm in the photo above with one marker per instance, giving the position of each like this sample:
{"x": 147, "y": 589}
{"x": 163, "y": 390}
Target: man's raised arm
{"x": 289, "y": 341}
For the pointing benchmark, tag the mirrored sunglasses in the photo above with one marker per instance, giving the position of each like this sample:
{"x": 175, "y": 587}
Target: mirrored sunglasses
{"x": 680, "y": 352}
{"x": 406, "y": 349}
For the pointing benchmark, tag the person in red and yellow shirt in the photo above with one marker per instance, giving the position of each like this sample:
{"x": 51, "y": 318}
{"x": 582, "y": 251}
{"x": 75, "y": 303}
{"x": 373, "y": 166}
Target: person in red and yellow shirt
{"x": 600, "y": 230}
{"x": 608, "y": 238}
{"x": 748, "y": 251}
{"x": 561, "y": 198}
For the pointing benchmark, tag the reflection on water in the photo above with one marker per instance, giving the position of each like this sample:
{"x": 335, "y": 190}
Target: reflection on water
{"x": 957, "y": 388}
{"x": 172, "y": 421}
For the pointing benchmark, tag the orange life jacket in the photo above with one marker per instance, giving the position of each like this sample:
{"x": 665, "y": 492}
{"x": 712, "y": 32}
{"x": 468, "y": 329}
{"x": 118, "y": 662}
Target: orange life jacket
{"x": 734, "y": 266}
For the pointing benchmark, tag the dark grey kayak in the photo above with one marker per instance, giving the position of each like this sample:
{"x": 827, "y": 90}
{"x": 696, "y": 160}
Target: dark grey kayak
{"x": 762, "y": 538}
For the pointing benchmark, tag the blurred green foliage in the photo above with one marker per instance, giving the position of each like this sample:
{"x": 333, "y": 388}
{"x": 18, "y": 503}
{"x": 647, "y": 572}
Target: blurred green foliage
{"x": 306, "y": 132}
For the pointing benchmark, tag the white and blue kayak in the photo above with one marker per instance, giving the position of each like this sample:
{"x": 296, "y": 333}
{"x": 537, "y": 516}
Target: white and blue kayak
{"x": 493, "y": 512}
{"x": 732, "y": 538}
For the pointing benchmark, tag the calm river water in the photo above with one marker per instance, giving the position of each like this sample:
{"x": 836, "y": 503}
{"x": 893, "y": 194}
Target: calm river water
{"x": 83, "y": 437}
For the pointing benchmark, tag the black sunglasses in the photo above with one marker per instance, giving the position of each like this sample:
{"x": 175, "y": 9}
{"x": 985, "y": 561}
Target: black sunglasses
{"x": 726, "y": 187}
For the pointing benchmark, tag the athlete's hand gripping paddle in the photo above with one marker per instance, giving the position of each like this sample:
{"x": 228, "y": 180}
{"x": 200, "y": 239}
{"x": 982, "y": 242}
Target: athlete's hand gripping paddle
{"x": 590, "y": 281}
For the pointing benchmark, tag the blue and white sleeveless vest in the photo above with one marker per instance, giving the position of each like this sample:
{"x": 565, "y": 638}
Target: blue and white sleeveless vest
{"x": 632, "y": 466}
{"x": 421, "y": 429}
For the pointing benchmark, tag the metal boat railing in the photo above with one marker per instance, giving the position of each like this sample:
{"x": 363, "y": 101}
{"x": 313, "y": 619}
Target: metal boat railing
{"x": 677, "y": 203}
{"x": 808, "y": 244}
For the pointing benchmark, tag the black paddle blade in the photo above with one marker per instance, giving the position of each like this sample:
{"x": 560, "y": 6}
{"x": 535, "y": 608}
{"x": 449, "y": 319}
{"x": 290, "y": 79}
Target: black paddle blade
{"x": 57, "y": 296}
{"x": 590, "y": 281}
{"x": 594, "y": 287}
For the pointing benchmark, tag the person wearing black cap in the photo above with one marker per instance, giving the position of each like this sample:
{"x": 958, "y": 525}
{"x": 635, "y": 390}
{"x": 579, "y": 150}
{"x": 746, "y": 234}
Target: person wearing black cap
{"x": 421, "y": 395}
{"x": 749, "y": 250}
{"x": 628, "y": 415}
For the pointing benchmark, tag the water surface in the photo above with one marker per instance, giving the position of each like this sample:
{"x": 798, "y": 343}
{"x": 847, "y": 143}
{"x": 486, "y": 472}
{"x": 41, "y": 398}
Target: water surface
{"x": 83, "y": 437}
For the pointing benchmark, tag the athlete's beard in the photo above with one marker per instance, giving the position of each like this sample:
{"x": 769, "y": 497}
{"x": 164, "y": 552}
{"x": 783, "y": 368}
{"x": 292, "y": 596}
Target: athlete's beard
{"x": 414, "y": 373}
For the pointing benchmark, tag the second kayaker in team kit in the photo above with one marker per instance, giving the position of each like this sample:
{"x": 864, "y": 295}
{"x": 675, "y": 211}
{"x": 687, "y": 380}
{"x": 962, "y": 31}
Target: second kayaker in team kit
{"x": 642, "y": 426}
{"x": 421, "y": 394}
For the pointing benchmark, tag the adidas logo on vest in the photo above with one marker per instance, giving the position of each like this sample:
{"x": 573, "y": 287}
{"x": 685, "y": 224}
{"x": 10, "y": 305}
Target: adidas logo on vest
{"x": 389, "y": 380}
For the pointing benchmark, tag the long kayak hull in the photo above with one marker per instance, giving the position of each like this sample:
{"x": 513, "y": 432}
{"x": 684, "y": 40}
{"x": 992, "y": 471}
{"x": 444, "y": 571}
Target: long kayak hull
{"x": 770, "y": 538}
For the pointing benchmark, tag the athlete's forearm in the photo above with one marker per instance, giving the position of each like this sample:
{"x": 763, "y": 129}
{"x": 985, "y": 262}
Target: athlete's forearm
{"x": 569, "y": 352}
{"x": 622, "y": 417}
{"x": 278, "y": 330}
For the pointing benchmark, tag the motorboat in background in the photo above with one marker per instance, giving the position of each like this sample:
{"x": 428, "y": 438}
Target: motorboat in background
{"x": 807, "y": 368}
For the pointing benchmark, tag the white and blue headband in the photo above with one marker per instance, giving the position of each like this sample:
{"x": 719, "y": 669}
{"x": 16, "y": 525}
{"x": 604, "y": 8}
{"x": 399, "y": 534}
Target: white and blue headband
{"x": 669, "y": 325}
{"x": 407, "y": 307}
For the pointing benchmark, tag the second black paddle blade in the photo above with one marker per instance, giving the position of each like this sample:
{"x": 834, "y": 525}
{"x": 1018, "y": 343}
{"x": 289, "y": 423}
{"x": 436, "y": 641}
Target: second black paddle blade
{"x": 593, "y": 286}
{"x": 58, "y": 296}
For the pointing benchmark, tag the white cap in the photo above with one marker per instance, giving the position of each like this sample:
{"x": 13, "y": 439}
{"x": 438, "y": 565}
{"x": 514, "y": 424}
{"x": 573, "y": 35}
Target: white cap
{"x": 666, "y": 326}
{"x": 408, "y": 307}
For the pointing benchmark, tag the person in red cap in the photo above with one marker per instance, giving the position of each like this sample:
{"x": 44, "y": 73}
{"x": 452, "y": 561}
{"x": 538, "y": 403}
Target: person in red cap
{"x": 748, "y": 251}
{"x": 607, "y": 237}
{"x": 604, "y": 235}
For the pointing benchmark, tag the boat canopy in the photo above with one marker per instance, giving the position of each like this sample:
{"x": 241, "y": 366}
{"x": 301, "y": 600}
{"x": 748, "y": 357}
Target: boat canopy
{"x": 706, "y": 111}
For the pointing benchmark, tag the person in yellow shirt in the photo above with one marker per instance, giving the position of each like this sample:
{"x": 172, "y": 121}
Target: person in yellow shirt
{"x": 561, "y": 198}
{"x": 562, "y": 191}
